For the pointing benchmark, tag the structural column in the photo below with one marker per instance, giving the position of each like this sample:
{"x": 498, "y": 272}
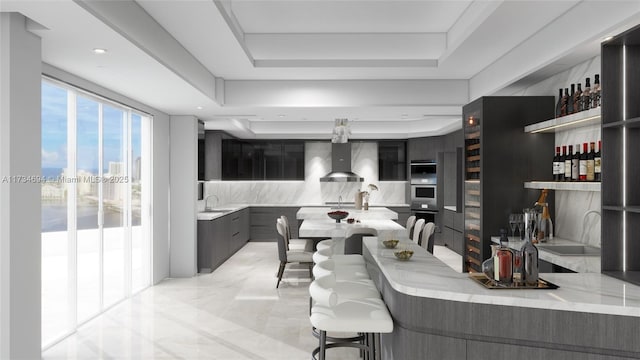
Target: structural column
{"x": 183, "y": 188}
{"x": 20, "y": 165}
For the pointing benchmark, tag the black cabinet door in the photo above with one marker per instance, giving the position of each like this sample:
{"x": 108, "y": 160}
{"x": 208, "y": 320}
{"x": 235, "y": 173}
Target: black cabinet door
{"x": 293, "y": 161}
{"x": 392, "y": 160}
{"x": 220, "y": 248}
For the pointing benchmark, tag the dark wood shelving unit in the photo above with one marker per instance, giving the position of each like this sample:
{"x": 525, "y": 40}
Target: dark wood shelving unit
{"x": 499, "y": 157}
{"x": 620, "y": 161}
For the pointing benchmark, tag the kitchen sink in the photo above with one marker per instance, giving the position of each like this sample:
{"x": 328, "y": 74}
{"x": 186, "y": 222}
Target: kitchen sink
{"x": 218, "y": 210}
{"x": 571, "y": 250}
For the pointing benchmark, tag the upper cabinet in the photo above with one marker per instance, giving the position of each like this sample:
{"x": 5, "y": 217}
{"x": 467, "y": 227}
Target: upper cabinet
{"x": 392, "y": 160}
{"x": 262, "y": 160}
{"x": 620, "y": 161}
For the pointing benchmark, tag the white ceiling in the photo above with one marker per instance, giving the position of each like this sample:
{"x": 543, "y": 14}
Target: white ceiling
{"x": 273, "y": 68}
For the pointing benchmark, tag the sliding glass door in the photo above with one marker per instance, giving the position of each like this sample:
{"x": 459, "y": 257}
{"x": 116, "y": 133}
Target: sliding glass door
{"x": 96, "y": 247}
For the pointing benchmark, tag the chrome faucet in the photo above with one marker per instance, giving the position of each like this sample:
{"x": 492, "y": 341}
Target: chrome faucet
{"x": 584, "y": 227}
{"x": 206, "y": 202}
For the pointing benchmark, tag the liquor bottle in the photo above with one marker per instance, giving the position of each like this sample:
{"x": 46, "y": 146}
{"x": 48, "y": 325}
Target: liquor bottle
{"x": 591, "y": 157}
{"x": 570, "y": 104}
{"x": 556, "y": 165}
{"x": 567, "y": 164}
{"x": 577, "y": 99}
{"x": 545, "y": 225}
{"x": 586, "y": 95}
{"x": 597, "y": 159}
{"x": 563, "y": 158}
{"x": 559, "y": 104}
{"x": 582, "y": 171}
{"x": 529, "y": 262}
{"x": 504, "y": 260}
{"x": 595, "y": 92}
{"x": 565, "y": 100}
{"x": 575, "y": 164}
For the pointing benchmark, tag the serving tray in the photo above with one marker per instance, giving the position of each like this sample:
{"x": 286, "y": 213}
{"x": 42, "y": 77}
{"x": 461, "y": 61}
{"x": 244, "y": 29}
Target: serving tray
{"x": 490, "y": 284}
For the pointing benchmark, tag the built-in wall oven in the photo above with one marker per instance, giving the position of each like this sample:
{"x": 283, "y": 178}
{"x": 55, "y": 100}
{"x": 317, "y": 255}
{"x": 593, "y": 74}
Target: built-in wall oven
{"x": 424, "y": 195}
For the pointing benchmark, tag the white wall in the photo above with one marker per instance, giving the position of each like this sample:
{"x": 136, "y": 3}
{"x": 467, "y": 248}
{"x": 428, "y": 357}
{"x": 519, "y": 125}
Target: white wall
{"x": 159, "y": 170}
{"x": 570, "y": 206}
{"x": 184, "y": 172}
{"x": 20, "y": 245}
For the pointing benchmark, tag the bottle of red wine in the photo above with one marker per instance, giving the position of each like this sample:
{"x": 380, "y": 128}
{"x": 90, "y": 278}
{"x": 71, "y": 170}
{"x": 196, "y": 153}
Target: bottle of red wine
{"x": 582, "y": 171}
{"x": 575, "y": 164}
{"x": 591, "y": 157}
{"x": 565, "y": 100}
{"x": 597, "y": 159}
{"x": 595, "y": 92}
{"x": 556, "y": 165}
{"x": 577, "y": 99}
{"x": 559, "y": 103}
{"x": 570, "y": 102}
{"x": 586, "y": 95}
{"x": 567, "y": 164}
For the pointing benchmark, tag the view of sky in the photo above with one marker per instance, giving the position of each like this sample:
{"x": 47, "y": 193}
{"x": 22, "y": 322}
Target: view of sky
{"x": 54, "y": 131}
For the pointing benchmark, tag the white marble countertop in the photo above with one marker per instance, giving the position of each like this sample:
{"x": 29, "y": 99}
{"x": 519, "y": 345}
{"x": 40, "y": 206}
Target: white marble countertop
{"x": 451, "y": 208}
{"x": 582, "y": 264}
{"x": 328, "y": 228}
{"x": 320, "y": 213}
{"x": 426, "y": 276}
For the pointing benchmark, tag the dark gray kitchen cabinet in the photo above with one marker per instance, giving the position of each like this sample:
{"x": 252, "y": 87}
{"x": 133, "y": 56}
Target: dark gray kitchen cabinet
{"x": 452, "y": 230}
{"x": 262, "y": 160}
{"x": 220, "y": 238}
{"x": 263, "y": 221}
{"x": 392, "y": 160}
{"x": 212, "y": 155}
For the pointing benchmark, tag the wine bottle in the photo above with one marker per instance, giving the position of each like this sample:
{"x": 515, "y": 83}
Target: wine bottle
{"x": 595, "y": 92}
{"x": 565, "y": 100}
{"x": 575, "y": 164}
{"x": 556, "y": 165}
{"x": 591, "y": 156}
{"x": 597, "y": 159}
{"x": 559, "y": 104}
{"x": 582, "y": 164}
{"x": 586, "y": 95}
{"x": 570, "y": 101}
{"x": 577, "y": 99}
{"x": 567, "y": 163}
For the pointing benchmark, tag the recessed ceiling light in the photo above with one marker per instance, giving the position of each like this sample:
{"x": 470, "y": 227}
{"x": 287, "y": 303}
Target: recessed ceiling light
{"x": 199, "y": 107}
{"x": 607, "y": 38}
{"x": 99, "y": 51}
{"x": 281, "y": 115}
{"x": 404, "y": 116}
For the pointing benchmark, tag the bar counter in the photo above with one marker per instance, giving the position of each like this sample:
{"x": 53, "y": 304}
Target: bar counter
{"x": 442, "y": 314}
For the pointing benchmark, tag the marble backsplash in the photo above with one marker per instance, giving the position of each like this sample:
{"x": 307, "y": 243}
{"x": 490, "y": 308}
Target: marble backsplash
{"x": 571, "y": 206}
{"x": 311, "y": 190}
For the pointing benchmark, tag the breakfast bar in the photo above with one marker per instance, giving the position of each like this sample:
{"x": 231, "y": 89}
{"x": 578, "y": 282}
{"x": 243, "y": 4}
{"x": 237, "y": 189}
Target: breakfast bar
{"x": 445, "y": 314}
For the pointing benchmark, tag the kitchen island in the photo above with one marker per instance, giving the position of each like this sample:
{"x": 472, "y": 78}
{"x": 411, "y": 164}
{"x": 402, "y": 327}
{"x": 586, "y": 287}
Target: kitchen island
{"x": 320, "y": 213}
{"x": 328, "y": 228}
{"x": 441, "y": 314}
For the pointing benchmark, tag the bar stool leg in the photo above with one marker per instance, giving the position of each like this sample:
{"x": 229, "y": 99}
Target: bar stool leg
{"x": 323, "y": 343}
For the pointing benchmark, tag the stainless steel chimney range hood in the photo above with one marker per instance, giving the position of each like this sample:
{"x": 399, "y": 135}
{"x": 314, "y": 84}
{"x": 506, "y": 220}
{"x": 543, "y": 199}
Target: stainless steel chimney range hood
{"x": 341, "y": 165}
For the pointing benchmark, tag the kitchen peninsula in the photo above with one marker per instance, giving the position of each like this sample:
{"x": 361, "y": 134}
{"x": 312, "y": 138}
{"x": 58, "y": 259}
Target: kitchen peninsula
{"x": 440, "y": 312}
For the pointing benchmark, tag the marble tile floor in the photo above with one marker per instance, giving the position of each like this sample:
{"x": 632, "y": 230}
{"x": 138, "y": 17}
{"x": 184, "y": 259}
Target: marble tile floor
{"x": 233, "y": 313}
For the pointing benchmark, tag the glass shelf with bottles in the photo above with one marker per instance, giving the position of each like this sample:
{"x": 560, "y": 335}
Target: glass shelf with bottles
{"x": 576, "y": 120}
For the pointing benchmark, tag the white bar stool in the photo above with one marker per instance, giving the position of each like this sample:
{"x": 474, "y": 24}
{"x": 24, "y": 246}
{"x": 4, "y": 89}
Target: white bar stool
{"x": 334, "y": 312}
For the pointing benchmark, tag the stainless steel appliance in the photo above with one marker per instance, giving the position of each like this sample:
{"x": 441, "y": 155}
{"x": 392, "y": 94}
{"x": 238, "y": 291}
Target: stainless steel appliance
{"x": 424, "y": 197}
{"x": 424, "y": 172}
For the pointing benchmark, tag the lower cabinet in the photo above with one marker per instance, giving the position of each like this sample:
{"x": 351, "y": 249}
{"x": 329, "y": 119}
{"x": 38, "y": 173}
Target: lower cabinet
{"x": 263, "y": 221}
{"x": 220, "y": 238}
{"x": 452, "y": 231}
